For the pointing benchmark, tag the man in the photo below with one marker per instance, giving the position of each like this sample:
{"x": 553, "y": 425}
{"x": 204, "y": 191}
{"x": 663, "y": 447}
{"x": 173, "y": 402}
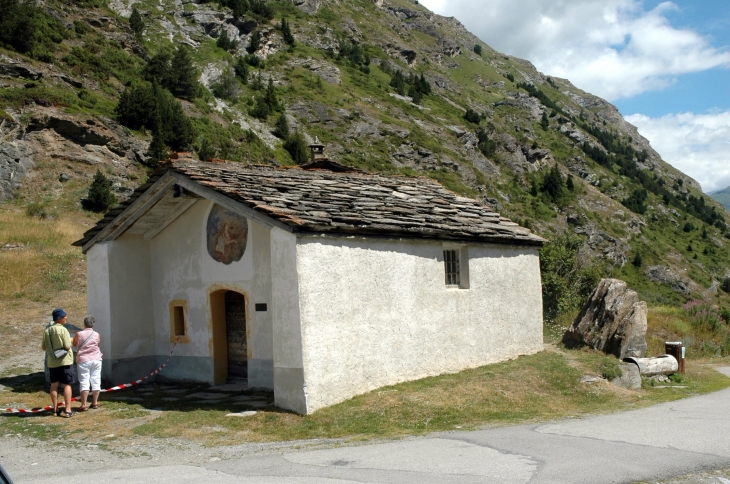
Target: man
{"x": 57, "y": 337}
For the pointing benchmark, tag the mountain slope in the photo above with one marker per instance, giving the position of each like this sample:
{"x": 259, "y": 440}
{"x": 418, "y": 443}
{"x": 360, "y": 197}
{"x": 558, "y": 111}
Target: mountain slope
{"x": 388, "y": 86}
{"x": 723, "y": 197}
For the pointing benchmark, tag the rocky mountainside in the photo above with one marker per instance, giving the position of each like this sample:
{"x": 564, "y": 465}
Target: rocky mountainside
{"x": 386, "y": 85}
{"x": 723, "y": 197}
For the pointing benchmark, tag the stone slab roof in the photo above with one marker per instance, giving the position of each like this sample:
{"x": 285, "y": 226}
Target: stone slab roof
{"x": 352, "y": 203}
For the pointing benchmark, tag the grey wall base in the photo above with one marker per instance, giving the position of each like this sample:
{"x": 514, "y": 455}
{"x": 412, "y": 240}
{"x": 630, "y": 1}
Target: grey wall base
{"x": 261, "y": 374}
{"x": 188, "y": 368}
{"x": 289, "y": 389}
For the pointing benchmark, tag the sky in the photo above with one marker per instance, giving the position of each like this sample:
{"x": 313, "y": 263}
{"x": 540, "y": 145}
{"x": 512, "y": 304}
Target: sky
{"x": 664, "y": 64}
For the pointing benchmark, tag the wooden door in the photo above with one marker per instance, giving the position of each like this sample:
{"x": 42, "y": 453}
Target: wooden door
{"x": 235, "y": 305}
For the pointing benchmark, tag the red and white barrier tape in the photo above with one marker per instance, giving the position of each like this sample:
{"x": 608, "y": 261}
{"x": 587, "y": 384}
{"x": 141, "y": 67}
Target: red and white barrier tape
{"x": 23, "y": 411}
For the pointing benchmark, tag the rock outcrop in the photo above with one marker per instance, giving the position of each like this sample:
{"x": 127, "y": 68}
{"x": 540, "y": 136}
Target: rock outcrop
{"x": 613, "y": 321}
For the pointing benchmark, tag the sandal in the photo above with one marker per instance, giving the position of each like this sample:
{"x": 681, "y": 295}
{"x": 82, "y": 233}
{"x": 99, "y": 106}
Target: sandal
{"x": 66, "y": 414}
{"x": 94, "y": 406}
{"x": 82, "y": 408}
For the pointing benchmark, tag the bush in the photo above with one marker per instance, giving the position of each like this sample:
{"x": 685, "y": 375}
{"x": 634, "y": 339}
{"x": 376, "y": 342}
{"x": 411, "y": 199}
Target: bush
{"x": 638, "y": 260}
{"x": 472, "y": 116}
{"x": 704, "y": 315}
{"x": 261, "y": 109}
{"x": 568, "y": 278}
{"x": 254, "y": 43}
{"x": 100, "y": 197}
{"x": 725, "y": 286}
{"x": 477, "y": 49}
{"x": 241, "y": 69}
{"x": 27, "y": 28}
{"x": 688, "y": 227}
{"x": 611, "y": 369}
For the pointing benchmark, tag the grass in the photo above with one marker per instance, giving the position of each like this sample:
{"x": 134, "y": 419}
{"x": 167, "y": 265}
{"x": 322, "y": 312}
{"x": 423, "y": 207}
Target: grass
{"x": 533, "y": 388}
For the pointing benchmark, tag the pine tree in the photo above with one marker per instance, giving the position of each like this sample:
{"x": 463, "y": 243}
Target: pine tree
{"x": 239, "y": 7}
{"x": 553, "y": 184}
{"x": 282, "y": 127}
{"x": 225, "y": 43}
{"x": 100, "y": 197}
{"x": 261, "y": 109}
{"x": 297, "y": 147}
{"x": 570, "y": 184}
{"x": 206, "y": 150}
{"x": 254, "y": 42}
{"x": 544, "y": 122}
{"x": 270, "y": 97}
{"x": 157, "y": 151}
{"x": 135, "y": 22}
{"x": 227, "y": 85}
{"x": 183, "y": 75}
{"x": 241, "y": 69}
{"x": 286, "y": 32}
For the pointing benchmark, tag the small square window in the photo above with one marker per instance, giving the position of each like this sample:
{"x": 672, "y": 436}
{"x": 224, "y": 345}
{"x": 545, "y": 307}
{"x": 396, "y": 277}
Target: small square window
{"x": 179, "y": 321}
{"x": 456, "y": 267}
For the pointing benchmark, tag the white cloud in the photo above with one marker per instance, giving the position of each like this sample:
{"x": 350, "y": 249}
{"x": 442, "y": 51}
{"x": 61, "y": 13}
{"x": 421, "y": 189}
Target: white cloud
{"x": 696, "y": 144}
{"x": 611, "y": 48}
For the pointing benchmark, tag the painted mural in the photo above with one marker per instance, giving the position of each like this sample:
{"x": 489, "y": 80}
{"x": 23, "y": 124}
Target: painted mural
{"x": 227, "y": 234}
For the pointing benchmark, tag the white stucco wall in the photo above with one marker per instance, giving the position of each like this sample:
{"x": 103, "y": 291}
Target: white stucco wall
{"x": 131, "y": 283}
{"x": 289, "y": 386}
{"x": 182, "y": 269}
{"x": 98, "y": 296}
{"x": 376, "y": 312}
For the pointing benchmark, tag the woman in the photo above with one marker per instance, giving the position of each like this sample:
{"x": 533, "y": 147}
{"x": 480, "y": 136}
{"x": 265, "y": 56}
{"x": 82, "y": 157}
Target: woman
{"x": 88, "y": 361}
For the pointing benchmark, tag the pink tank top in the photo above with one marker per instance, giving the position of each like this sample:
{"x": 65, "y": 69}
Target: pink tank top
{"x": 90, "y": 350}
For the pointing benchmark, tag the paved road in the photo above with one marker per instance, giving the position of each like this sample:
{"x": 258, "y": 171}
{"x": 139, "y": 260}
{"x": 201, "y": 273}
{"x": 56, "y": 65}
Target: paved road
{"x": 650, "y": 444}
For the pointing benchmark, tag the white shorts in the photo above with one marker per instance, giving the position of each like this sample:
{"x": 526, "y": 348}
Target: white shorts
{"x": 90, "y": 370}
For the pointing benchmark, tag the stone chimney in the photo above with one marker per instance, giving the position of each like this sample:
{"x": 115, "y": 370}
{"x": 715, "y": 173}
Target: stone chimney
{"x": 317, "y": 150}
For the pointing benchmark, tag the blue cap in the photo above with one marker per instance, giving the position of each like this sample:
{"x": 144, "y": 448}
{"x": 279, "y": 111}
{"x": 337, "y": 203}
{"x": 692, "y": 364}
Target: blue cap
{"x": 58, "y": 314}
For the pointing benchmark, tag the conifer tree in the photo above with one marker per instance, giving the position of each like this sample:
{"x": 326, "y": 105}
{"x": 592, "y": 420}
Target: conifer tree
{"x": 286, "y": 32}
{"x": 282, "y": 127}
{"x": 270, "y": 97}
{"x": 554, "y": 185}
{"x": 254, "y": 42}
{"x": 297, "y": 147}
{"x": 206, "y": 150}
{"x": 157, "y": 151}
{"x": 638, "y": 260}
{"x": 135, "y": 22}
{"x": 100, "y": 197}
{"x": 544, "y": 122}
{"x": 183, "y": 75}
{"x": 261, "y": 109}
{"x": 241, "y": 69}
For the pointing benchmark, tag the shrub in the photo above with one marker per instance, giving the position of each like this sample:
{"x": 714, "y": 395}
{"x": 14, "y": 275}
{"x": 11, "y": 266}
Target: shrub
{"x": 510, "y": 77}
{"x": 477, "y": 49}
{"x": 206, "y": 150}
{"x": 704, "y": 315}
{"x": 725, "y": 286}
{"x": 638, "y": 261}
{"x": 544, "y": 121}
{"x": 486, "y": 145}
{"x": 688, "y": 227}
{"x": 568, "y": 278}
{"x": 611, "y": 369}
{"x": 27, "y": 28}
{"x": 100, "y": 197}
{"x": 472, "y": 116}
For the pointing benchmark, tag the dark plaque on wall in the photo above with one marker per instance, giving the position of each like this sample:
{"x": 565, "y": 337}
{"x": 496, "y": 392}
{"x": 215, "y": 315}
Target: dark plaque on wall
{"x": 227, "y": 234}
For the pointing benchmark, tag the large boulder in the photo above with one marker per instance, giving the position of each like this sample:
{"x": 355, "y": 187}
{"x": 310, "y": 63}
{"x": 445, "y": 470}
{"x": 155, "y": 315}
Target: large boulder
{"x": 613, "y": 321}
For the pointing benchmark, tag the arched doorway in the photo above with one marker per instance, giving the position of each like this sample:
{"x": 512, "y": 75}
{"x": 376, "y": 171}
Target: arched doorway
{"x": 229, "y": 311}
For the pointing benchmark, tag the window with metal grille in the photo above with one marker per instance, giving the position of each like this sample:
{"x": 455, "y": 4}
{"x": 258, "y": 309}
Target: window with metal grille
{"x": 451, "y": 265}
